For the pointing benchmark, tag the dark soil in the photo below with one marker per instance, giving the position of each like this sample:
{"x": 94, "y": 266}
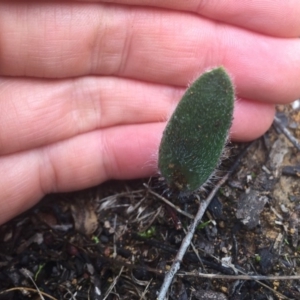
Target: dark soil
{"x": 117, "y": 241}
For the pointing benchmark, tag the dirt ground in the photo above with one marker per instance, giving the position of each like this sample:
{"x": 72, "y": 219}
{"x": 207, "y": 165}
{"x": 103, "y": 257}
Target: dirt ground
{"x": 117, "y": 240}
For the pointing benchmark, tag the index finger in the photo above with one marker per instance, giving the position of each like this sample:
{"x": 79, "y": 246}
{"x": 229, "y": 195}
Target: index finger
{"x": 277, "y": 18}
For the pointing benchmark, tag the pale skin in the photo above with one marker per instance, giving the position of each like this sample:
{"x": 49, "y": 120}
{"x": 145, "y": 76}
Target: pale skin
{"x": 86, "y": 88}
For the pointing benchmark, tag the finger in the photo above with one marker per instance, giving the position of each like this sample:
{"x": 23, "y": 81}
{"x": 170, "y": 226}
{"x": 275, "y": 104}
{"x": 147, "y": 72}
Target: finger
{"x": 251, "y": 119}
{"x": 278, "y": 18}
{"x": 146, "y": 44}
{"x": 80, "y": 162}
{"x": 122, "y": 152}
{"x": 35, "y": 113}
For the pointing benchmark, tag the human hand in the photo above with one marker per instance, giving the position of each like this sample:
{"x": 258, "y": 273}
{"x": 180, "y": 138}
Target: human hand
{"x": 86, "y": 88}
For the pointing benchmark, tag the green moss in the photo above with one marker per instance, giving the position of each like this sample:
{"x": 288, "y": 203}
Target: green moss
{"x": 203, "y": 225}
{"x": 196, "y": 133}
{"x": 150, "y": 232}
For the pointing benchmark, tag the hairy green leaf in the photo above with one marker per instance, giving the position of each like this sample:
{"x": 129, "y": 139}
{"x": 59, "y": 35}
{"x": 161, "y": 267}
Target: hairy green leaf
{"x": 197, "y": 132}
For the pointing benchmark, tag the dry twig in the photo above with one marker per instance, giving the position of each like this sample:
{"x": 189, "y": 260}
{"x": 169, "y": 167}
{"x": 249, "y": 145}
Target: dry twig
{"x": 21, "y": 288}
{"x": 169, "y": 203}
{"x": 287, "y": 133}
{"x": 26, "y": 273}
{"x": 239, "y": 277}
{"x": 188, "y": 238}
{"x": 113, "y": 284}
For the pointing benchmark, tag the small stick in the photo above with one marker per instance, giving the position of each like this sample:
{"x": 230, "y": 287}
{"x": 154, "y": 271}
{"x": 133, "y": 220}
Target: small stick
{"x": 240, "y": 277}
{"x": 247, "y": 277}
{"x": 188, "y": 238}
{"x": 115, "y": 245}
{"x": 20, "y": 288}
{"x": 113, "y": 284}
{"x": 145, "y": 291}
{"x": 287, "y": 133}
{"x": 169, "y": 203}
{"x": 27, "y": 274}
